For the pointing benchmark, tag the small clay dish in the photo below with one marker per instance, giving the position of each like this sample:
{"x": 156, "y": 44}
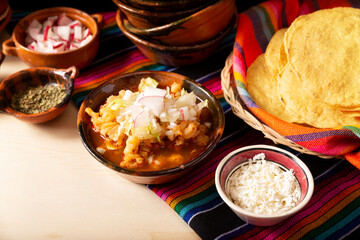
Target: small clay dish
{"x": 33, "y": 77}
{"x": 130, "y": 81}
{"x": 141, "y": 18}
{"x": 194, "y": 29}
{"x": 80, "y": 58}
{"x": 165, "y": 5}
{"x": 175, "y": 55}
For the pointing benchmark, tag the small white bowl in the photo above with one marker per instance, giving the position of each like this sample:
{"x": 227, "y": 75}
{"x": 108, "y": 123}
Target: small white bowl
{"x": 282, "y": 157}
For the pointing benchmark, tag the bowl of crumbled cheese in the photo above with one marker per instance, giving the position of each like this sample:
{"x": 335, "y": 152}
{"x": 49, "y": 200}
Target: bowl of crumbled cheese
{"x": 264, "y": 185}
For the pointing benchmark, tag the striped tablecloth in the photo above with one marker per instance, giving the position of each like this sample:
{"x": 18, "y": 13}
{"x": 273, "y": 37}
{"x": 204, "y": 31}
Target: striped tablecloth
{"x": 334, "y": 210}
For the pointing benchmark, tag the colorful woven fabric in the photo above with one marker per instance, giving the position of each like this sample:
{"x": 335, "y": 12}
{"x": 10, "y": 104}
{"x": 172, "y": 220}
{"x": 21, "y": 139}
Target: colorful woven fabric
{"x": 334, "y": 210}
{"x": 256, "y": 27}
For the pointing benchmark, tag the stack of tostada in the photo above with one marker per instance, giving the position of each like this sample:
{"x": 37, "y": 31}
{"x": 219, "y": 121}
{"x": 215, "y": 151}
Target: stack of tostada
{"x": 310, "y": 72}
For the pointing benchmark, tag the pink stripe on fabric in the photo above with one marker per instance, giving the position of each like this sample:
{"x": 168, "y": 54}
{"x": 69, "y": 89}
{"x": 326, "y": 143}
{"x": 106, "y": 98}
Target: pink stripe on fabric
{"x": 236, "y": 66}
{"x": 109, "y": 68}
{"x": 107, "y": 15}
{"x": 213, "y": 87}
{"x": 314, "y": 205}
{"x": 304, "y": 9}
{"x": 330, "y": 150}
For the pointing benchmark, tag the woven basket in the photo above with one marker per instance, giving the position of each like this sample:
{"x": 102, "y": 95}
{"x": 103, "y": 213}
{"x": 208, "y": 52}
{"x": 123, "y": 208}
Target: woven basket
{"x": 239, "y": 108}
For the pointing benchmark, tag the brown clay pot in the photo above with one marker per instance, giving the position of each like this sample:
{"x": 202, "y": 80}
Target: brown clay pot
{"x": 141, "y": 18}
{"x": 165, "y": 5}
{"x": 175, "y": 55}
{"x": 33, "y": 77}
{"x": 80, "y": 58}
{"x": 196, "y": 28}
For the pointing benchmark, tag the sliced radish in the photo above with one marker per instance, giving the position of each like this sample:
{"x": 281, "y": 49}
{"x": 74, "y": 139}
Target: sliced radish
{"x": 64, "y": 20}
{"x": 46, "y": 32}
{"x": 86, "y": 40}
{"x": 33, "y": 32}
{"x": 86, "y": 32}
{"x": 33, "y": 46}
{"x": 78, "y": 33}
{"x": 39, "y": 37}
{"x": 64, "y": 32}
{"x": 57, "y": 33}
{"x": 74, "y": 45}
{"x": 35, "y": 24}
{"x": 185, "y": 113}
{"x": 74, "y": 24}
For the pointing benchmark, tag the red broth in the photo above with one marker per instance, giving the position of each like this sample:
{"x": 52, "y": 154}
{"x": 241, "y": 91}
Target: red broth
{"x": 166, "y": 154}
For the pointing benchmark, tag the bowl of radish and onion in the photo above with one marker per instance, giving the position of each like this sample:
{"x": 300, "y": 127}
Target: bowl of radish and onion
{"x": 57, "y": 37}
{"x": 263, "y": 184}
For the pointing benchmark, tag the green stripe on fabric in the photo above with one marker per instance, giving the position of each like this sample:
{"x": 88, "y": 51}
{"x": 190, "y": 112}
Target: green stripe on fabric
{"x": 195, "y": 198}
{"x": 110, "y": 31}
{"x": 355, "y": 130}
{"x": 204, "y": 201}
{"x": 336, "y": 222}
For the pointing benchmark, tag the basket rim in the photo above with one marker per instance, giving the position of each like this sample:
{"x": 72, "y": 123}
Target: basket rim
{"x": 239, "y": 108}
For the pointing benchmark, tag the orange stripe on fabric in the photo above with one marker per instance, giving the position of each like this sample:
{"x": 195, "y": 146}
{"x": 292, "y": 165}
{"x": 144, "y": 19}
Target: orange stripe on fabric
{"x": 191, "y": 194}
{"x": 245, "y": 36}
{"x": 199, "y": 186}
{"x": 323, "y": 214}
{"x": 354, "y": 159}
{"x": 285, "y": 128}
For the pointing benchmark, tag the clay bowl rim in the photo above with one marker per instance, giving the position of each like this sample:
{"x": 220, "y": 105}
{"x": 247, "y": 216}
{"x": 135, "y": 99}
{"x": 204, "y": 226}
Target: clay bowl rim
{"x": 166, "y": 28}
{"x": 155, "y": 2}
{"x": 141, "y": 12}
{"x": 173, "y": 48}
{"x": 73, "y": 72}
{"x": 161, "y": 173}
{"x": 50, "y": 12}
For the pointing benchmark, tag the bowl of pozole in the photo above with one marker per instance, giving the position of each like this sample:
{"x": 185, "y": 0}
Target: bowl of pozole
{"x": 151, "y": 127}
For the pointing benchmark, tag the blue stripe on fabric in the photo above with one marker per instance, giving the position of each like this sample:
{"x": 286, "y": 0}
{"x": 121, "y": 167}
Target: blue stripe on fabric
{"x": 210, "y": 204}
{"x": 203, "y": 201}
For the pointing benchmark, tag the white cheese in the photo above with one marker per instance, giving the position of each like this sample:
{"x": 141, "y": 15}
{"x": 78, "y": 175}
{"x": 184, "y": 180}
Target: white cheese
{"x": 262, "y": 187}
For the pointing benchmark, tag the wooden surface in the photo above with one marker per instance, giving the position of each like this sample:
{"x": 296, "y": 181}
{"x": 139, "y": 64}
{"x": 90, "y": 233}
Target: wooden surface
{"x": 52, "y": 188}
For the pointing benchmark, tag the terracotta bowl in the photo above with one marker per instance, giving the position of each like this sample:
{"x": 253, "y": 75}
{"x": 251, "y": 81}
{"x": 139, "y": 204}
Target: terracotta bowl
{"x": 141, "y": 18}
{"x": 196, "y": 28}
{"x": 80, "y": 58}
{"x": 285, "y": 160}
{"x": 130, "y": 81}
{"x": 165, "y": 5}
{"x": 33, "y": 77}
{"x": 175, "y": 55}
